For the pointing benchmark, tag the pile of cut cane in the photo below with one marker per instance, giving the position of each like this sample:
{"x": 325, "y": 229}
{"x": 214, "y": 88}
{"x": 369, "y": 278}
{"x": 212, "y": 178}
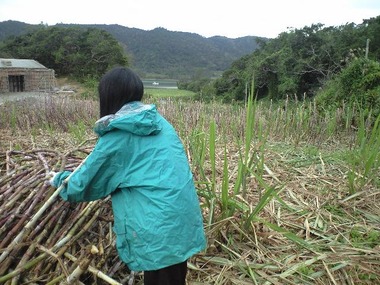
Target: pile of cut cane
{"x": 46, "y": 240}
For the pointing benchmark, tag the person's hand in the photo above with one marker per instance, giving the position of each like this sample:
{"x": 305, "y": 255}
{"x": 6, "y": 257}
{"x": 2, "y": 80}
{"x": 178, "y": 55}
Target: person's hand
{"x": 50, "y": 178}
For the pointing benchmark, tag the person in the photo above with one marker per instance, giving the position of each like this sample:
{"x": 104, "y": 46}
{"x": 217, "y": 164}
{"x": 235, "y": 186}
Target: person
{"x": 140, "y": 161}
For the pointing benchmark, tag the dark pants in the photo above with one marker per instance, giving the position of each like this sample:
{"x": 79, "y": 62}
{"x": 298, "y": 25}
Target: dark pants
{"x": 171, "y": 275}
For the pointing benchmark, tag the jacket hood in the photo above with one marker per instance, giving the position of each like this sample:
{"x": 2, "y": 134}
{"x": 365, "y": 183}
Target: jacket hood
{"x": 134, "y": 117}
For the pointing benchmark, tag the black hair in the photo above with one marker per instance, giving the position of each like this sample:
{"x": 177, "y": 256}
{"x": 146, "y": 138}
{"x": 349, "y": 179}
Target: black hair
{"x": 117, "y": 87}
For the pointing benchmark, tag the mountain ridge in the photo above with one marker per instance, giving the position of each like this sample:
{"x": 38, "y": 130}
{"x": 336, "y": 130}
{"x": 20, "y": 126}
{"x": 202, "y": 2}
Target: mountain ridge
{"x": 163, "y": 53}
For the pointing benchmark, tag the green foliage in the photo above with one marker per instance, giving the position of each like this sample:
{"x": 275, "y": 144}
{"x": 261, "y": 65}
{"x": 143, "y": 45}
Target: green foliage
{"x": 358, "y": 84}
{"x": 365, "y": 159}
{"x": 365, "y": 237}
{"x": 160, "y": 53}
{"x": 182, "y": 55}
{"x": 194, "y": 85}
{"x": 371, "y": 30}
{"x": 71, "y": 51}
{"x": 90, "y": 84}
{"x": 233, "y": 85}
{"x": 299, "y": 62}
{"x": 160, "y": 93}
{"x": 306, "y": 270}
{"x": 206, "y": 94}
{"x": 78, "y": 131}
{"x": 15, "y": 28}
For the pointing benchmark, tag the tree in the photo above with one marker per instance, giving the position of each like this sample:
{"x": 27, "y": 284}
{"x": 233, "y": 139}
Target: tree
{"x": 358, "y": 84}
{"x": 371, "y": 31}
{"x": 70, "y": 51}
{"x": 299, "y": 62}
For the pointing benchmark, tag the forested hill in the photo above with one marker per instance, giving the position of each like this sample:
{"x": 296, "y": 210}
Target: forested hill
{"x": 164, "y": 53}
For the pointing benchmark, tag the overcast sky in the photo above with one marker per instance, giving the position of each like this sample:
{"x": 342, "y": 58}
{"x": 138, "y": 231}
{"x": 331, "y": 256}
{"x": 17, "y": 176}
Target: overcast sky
{"x": 233, "y": 19}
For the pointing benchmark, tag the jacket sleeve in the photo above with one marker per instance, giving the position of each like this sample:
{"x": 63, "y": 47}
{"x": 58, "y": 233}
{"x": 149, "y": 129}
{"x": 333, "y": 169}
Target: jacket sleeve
{"x": 95, "y": 179}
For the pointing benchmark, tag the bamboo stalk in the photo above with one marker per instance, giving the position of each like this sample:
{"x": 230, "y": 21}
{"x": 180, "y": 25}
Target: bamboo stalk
{"x": 13, "y": 177}
{"x": 56, "y": 280}
{"x": 62, "y": 227}
{"x": 27, "y": 255}
{"x": 70, "y": 238}
{"x": 79, "y": 270}
{"x": 48, "y": 221}
{"x": 95, "y": 271}
{"x": 36, "y": 260}
{"x": 20, "y": 237}
{"x": 23, "y": 268}
{"x": 15, "y": 191}
{"x": 23, "y": 219}
{"x": 29, "y": 198}
{"x": 44, "y": 163}
{"x": 91, "y": 206}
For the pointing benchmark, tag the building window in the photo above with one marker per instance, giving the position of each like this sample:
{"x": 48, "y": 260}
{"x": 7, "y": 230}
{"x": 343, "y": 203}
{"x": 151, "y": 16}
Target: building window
{"x": 16, "y": 83}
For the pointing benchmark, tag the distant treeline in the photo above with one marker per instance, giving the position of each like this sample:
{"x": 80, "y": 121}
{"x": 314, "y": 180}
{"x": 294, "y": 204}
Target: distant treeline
{"x": 302, "y": 63}
{"x": 159, "y": 53}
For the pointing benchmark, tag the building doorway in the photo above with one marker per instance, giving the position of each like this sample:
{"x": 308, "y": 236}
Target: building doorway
{"x": 16, "y": 83}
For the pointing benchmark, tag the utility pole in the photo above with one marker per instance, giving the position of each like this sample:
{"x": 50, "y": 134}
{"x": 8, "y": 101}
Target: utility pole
{"x": 367, "y": 49}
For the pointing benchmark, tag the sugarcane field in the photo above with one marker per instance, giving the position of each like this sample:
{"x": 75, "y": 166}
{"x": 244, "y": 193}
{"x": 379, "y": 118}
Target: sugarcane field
{"x": 288, "y": 195}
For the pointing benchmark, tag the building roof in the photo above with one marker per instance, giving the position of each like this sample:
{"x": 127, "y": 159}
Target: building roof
{"x": 19, "y": 63}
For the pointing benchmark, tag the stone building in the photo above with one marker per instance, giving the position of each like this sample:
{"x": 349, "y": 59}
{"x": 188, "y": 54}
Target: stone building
{"x": 25, "y": 75}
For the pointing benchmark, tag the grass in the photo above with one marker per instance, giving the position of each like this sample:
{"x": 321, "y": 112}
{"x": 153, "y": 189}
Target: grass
{"x": 288, "y": 194}
{"x": 166, "y": 93}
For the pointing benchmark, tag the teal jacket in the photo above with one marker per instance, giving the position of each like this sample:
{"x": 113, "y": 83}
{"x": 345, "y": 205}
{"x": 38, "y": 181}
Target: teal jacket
{"x": 140, "y": 161}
